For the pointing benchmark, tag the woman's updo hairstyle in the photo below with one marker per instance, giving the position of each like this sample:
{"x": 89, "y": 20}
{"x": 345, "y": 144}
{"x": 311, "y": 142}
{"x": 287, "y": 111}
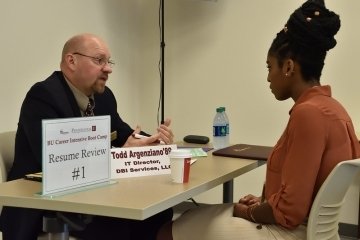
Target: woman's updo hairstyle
{"x": 307, "y": 36}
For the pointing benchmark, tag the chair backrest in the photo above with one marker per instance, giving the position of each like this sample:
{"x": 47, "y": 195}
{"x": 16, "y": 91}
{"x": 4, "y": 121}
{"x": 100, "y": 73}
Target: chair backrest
{"x": 323, "y": 222}
{"x": 7, "y": 150}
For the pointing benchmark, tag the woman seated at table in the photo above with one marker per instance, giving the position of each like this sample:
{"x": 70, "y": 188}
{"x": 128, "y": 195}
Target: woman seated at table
{"x": 319, "y": 135}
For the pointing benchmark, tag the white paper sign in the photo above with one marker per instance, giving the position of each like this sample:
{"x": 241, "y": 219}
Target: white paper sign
{"x": 140, "y": 161}
{"x": 76, "y": 153}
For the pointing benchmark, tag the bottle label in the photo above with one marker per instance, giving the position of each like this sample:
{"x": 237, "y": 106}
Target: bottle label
{"x": 219, "y": 131}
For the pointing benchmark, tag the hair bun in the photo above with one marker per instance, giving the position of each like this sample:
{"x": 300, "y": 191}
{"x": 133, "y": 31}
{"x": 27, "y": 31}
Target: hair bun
{"x": 313, "y": 26}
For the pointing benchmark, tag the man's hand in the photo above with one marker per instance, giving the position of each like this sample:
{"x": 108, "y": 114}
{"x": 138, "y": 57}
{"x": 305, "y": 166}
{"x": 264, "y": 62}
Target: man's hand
{"x": 133, "y": 141}
{"x": 166, "y": 134}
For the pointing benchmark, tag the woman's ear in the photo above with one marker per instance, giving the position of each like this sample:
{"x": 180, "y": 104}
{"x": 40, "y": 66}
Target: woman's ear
{"x": 288, "y": 67}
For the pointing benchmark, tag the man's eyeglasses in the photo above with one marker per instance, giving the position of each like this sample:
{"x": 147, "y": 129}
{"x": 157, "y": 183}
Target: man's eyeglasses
{"x": 101, "y": 61}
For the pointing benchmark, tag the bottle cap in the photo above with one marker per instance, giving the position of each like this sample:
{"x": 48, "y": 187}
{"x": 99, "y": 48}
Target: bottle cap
{"x": 219, "y": 109}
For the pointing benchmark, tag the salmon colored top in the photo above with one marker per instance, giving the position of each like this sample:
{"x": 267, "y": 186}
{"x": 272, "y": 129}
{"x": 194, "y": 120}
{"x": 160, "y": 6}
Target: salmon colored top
{"x": 319, "y": 134}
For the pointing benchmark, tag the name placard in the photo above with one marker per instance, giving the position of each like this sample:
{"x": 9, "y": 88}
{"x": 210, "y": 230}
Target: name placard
{"x": 140, "y": 161}
{"x": 75, "y": 153}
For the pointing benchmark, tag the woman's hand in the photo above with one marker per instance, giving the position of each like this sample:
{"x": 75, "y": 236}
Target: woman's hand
{"x": 242, "y": 207}
{"x": 250, "y": 200}
{"x": 240, "y": 210}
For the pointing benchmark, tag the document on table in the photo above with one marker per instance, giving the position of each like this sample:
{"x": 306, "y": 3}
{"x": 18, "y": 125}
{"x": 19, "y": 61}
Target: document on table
{"x": 195, "y": 152}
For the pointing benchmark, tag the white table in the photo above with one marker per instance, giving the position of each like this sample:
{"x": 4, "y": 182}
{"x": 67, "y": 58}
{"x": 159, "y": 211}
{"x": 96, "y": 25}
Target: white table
{"x": 131, "y": 198}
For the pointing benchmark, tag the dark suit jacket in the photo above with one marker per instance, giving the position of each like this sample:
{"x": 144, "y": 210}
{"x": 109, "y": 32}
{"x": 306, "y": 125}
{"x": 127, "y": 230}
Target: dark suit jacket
{"x": 48, "y": 99}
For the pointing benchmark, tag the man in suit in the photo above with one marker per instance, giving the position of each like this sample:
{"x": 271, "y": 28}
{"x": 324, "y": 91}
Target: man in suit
{"x": 85, "y": 67}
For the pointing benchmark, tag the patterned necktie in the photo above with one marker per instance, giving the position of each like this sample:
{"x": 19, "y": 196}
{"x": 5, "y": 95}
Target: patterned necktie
{"x": 89, "y": 111}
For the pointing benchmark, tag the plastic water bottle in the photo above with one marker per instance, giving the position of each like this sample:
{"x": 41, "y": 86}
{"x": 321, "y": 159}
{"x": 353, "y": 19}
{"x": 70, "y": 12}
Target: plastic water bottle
{"x": 227, "y": 143}
{"x": 219, "y": 129}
